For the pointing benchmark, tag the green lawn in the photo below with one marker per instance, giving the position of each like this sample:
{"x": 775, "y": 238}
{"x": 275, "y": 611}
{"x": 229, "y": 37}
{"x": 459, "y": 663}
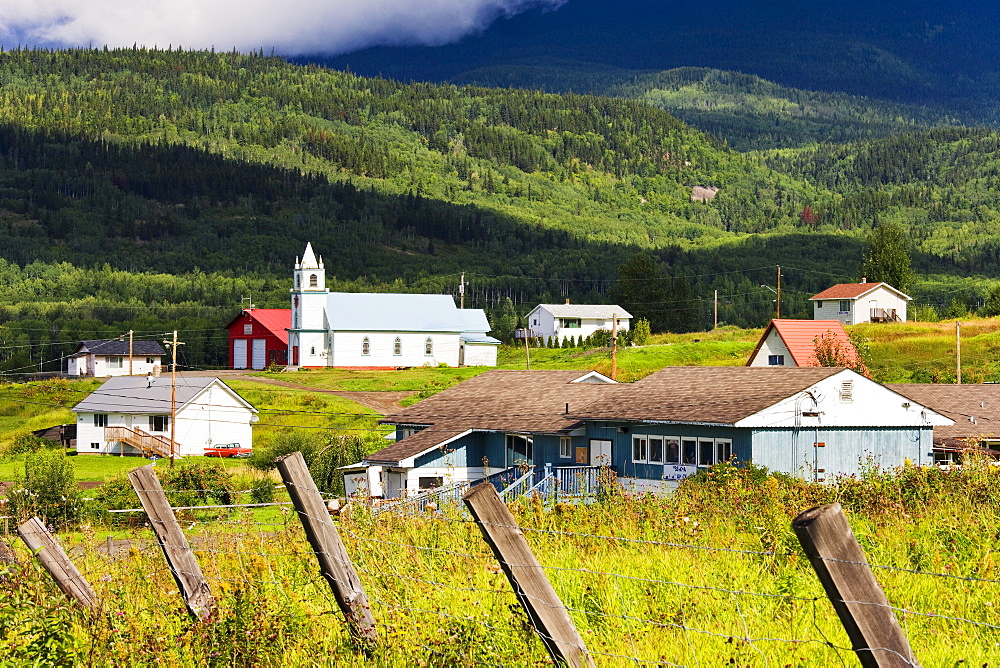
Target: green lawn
{"x": 101, "y": 468}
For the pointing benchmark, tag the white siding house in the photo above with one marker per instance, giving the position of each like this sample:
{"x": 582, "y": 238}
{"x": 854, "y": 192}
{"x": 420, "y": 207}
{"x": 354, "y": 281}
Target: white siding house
{"x": 381, "y": 330}
{"x": 574, "y": 320}
{"x": 127, "y": 411}
{"x": 112, "y": 358}
{"x": 855, "y": 303}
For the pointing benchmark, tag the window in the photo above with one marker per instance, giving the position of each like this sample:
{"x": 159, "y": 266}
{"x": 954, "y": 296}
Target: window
{"x": 706, "y": 452}
{"x": 640, "y": 452}
{"x": 114, "y": 362}
{"x": 397, "y": 346}
{"x": 689, "y": 453}
{"x": 519, "y": 449}
{"x": 430, "y": 482}
{"x": 565, "y": 447}
{"x": 313, "y": 281}
{"x": 298, "y": 282}
{"x": 776, "y": 360}
{"x": 247, "y": 329}
{"x": 534, "y": 322}
{"x": 407, "y": 431}
{"x": 366, "y": 346}
{"x": 100, "y": 419}
{"x": 95, "y": 446}
{"x": 723, "y": 450}
{"x": 569, "y": 323}
{"x": 159, "y": 422}
{"x": 312, "y": 350}
{"x": 655, "y": 449}
{"x": 845, "y": 305}
{"x": 847, "y": 391}
{"x": 819, "y": 303}
{"x": 149, "y": 360}
{"x": 673, "y": 447}
{"x": 428, "y": 346}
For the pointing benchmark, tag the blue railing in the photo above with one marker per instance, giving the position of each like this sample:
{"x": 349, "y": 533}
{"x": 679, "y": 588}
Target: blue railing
{"x": 519, "y": 487}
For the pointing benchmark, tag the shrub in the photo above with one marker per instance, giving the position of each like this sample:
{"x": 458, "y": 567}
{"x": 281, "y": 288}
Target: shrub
{"x": 283, "y": 444}
{"x": 26, "y": 443}
{"x": 262, "y": 491}
{"x": 640, "y": 332}
{"x": 325, "y": 467}
{"x": 48, "y": 490}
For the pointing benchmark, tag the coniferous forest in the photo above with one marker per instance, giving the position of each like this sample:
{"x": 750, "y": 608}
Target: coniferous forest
{"x": 153, "y": 190}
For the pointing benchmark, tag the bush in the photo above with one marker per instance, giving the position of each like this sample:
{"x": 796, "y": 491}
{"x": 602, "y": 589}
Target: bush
{"x": 286, "y": 443}
{"x": 325, "y": 467}
{"x": 640, "y": 332}
{"x": 26, "y": 443}
{"x": 262, "y": 491}
{"x": 48, "y": 490}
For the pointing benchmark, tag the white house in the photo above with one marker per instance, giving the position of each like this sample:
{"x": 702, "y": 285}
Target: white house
{"x": 380, "y": 330}
{"x": 855, "y": 303}
{"x": 131, "y": 415}
{"x": 113, "y": 358}
{"x": 565, "y": 320}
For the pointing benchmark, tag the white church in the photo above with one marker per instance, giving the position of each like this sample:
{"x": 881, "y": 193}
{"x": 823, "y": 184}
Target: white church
{"x": 380, "y": 330}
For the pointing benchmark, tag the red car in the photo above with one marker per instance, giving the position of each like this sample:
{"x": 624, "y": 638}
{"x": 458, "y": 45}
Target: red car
{"x": 227, "y": 450}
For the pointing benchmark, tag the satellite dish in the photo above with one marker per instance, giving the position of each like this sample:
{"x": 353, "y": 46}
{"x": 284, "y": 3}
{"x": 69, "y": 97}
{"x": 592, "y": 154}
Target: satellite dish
{"x": 817, "y": 394}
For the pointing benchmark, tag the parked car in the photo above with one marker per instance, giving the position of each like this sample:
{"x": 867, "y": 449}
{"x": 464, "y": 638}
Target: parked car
{"x": 227, "y": 450}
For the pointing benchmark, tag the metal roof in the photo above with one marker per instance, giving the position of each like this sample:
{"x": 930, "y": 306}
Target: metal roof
{"x": 118, "y": 347}
{"x": 799, "y": 336}
{"x": 392, "y": 312}
{"x": 605, "y": 311}
{"x": 146, "y": 394}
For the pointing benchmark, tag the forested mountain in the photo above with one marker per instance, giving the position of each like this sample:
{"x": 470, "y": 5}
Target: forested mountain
{"x": 216, "y": 168}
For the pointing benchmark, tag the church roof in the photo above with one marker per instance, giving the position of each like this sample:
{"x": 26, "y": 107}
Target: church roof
{"x": 389, "y": 312}
{"x": 309, "y": 259}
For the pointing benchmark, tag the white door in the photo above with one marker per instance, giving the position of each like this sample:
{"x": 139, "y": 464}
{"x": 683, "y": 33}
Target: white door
{"x": 240, "y": 354}
{"x": 600, "y": 452}
{"x": 258, "y": 361}
{"x": 394, "y": 485}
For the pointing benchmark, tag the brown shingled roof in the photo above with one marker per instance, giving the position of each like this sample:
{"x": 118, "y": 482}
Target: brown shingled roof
{"x": 699, "y": 394}
{"x": 498, "y": 400}
{"x": 960, "y": 403}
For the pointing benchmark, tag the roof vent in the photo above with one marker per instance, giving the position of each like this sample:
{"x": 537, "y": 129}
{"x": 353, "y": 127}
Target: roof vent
{"x": 864, "y": 280}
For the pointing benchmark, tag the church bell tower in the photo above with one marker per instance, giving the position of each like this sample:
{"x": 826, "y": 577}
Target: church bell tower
{"x": 307, "y": 337}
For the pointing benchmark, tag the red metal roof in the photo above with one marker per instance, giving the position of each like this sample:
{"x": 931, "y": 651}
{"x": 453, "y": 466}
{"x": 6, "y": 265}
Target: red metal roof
{"x": 799, "y": 336}
{"x": 274, "y": 320}
{"x": 849, "y": 290}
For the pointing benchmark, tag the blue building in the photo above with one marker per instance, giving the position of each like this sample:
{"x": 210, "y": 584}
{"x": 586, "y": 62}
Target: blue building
{"x": 811, "y": 422}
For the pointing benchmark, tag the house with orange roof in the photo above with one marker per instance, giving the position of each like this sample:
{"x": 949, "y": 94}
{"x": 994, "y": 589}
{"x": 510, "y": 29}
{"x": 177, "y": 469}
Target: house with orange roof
{"x": 855, "y": 303}
{"x": 258, "y": 337}
{"x": 793, "y": 342}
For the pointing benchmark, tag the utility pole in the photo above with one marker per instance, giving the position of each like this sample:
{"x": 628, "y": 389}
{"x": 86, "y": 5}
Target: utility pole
{"x": 958, "y": 352}
{"x": 173, "y": 396}
{"x": 130, "y": 352}
{"x": 715, "y": 310}
{"x": 461, "y": 291}
{"x": 778, "y": 300}
{"x": 527, "y": 355}
{"x": 614, "y": 346}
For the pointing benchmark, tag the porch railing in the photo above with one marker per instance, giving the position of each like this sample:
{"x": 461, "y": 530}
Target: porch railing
{"x": 519, "y": 487}
{"x": 418, "y": 504}
{"x": 578, "y": 480}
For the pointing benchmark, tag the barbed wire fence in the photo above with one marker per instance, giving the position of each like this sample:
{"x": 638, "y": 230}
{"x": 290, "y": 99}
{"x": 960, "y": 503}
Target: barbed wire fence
{"x": 436, "y": 591}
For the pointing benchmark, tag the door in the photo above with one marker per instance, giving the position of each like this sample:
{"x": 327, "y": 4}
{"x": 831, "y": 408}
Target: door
{"x": 240, "y": 354}
{"x": 461, "y": 354}
{"x": 259, "y": 359}
{"x": 600, "y": 452}
{"x": 394, "y": 485}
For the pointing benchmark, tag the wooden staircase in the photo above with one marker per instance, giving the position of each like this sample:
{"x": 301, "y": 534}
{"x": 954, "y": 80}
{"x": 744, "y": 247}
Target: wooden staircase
{"x": 147, "y": 444}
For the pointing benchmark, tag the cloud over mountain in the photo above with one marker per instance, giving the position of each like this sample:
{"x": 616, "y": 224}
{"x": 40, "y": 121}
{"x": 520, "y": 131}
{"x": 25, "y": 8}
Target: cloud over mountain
{"x": 299, "y": 26}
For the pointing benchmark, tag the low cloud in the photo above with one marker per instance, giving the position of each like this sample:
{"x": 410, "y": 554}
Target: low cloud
{"x": 303, "y": 26}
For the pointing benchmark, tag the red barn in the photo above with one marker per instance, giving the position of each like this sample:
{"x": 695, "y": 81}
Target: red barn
{"x": 259, "y": 337}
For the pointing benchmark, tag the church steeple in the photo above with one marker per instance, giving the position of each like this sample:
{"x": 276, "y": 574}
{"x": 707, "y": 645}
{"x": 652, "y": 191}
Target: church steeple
{"x": 306, "y": 338}
{"x": 309, "y": 259}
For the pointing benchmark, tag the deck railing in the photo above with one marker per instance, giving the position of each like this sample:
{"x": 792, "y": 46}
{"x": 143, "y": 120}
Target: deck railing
{"x": 418, "y": 504}
{"x": 147, "y": 444}
{"x": 578, "y": 480}
{"x": 885, "y": 315}
{"x": 519, "y": 487}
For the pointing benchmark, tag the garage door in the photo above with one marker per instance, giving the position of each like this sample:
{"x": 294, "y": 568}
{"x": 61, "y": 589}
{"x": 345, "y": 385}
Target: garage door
{"x": 258, "y": 361}
{"x": 240, "y": 354}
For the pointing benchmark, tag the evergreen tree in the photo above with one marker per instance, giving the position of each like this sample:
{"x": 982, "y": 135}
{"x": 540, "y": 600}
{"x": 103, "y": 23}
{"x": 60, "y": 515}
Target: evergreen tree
{"x": 641, "y": 289}
{"x": 504, "y": 320}
{"x": 887, "y": 256}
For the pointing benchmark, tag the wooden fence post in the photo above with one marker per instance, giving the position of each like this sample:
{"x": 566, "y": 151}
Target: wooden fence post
{"x": 7, "y": 555}
{"x": 526, "y": 576}
{"x": 856, "y": 595}
{"x": 334, "y": 563}
{"x": 183, "y": 564}
{"x": 54, "y": 560}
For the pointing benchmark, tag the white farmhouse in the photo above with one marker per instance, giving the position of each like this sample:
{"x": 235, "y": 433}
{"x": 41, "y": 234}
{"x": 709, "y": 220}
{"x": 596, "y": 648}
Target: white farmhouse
{"x": 573, "y": 320}
{"x": 855, "y": 303}
{"x": 114, "y": 358}
{"x": 381, "y": 330}
{"x": 130, "y": 415}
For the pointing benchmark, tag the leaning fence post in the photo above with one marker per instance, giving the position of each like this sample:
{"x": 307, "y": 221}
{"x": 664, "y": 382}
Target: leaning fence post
{"x": 526, "y": 576}
{"x": 54, "y": 560}
{"x": 7, "y": 555}
{"x": 334, "y": 563}
{"x": 183, "y": 564}
{"x": 856, "y": 595}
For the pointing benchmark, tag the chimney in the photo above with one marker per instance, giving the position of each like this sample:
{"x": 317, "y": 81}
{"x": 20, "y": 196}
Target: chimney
{"x": 864, "y": 280}
{"x": 567, "y": 301}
